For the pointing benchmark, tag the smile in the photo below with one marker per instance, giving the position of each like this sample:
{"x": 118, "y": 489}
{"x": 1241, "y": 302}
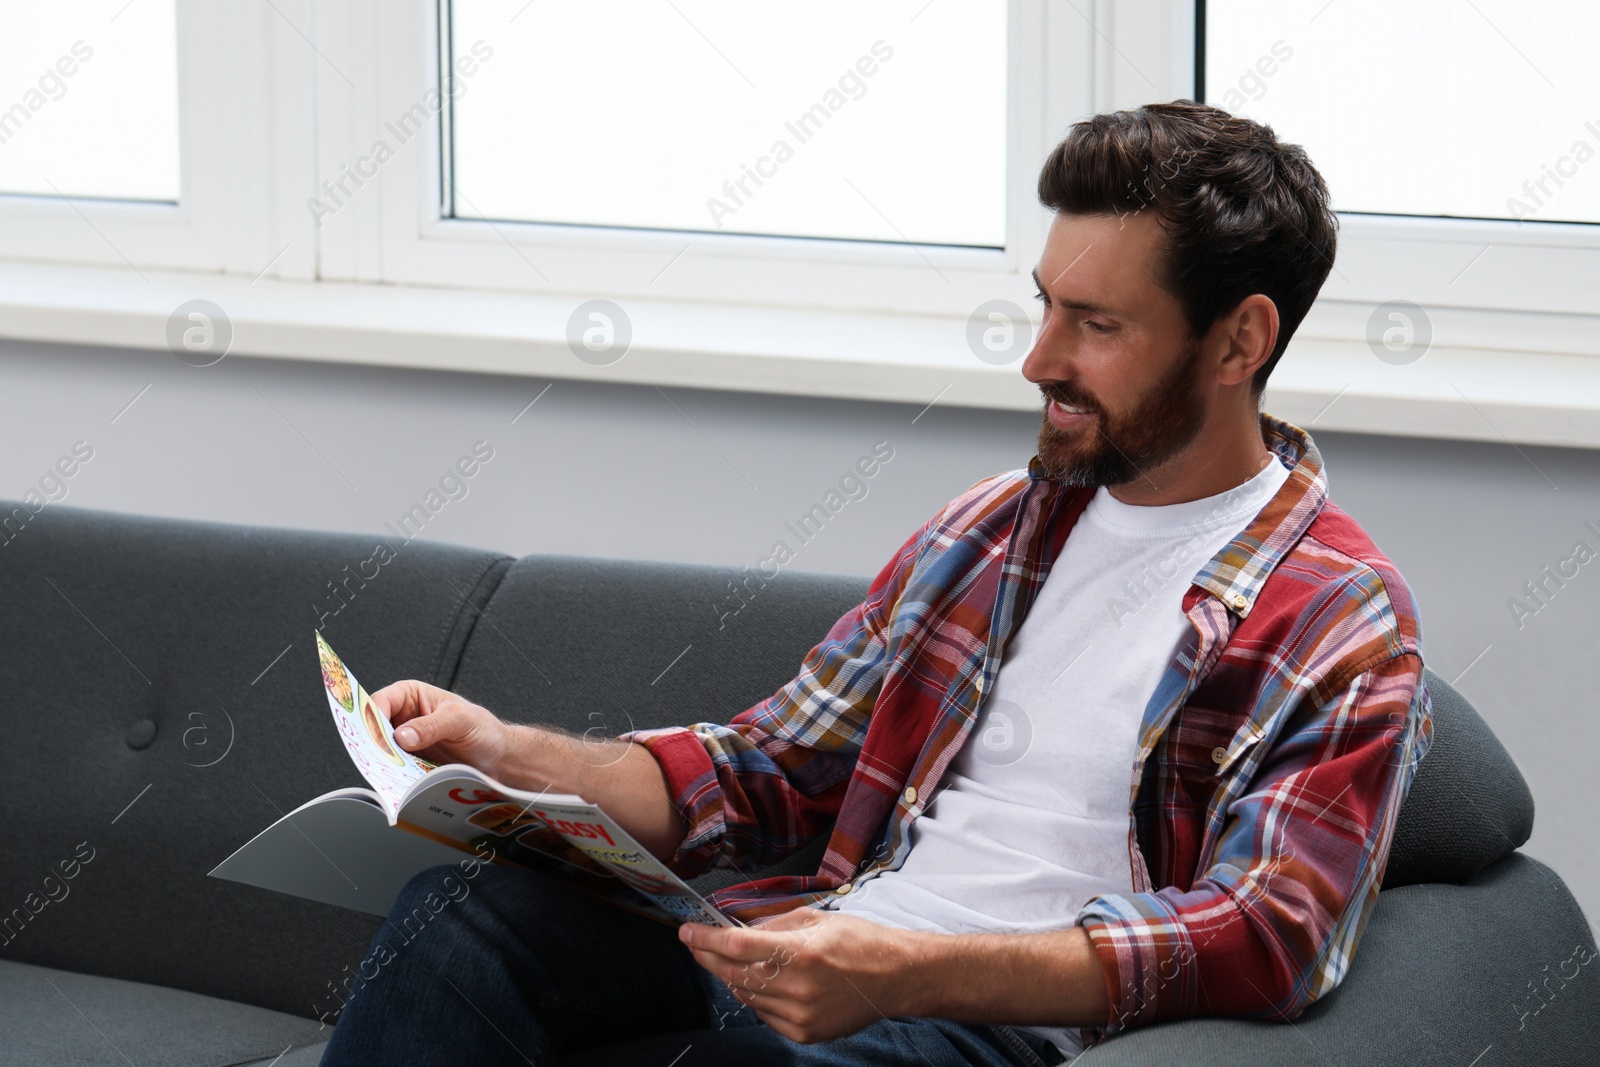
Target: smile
{"x": 1063, "y": 416}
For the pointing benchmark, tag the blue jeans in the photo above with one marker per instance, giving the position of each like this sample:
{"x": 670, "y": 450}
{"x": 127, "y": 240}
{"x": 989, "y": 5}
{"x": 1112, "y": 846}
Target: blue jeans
{"x": 512, "y": 966}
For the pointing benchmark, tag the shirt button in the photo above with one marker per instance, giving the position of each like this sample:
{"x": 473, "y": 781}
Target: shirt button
{"x": 1240, "y": 601}
{"x": 911, "y": 794}
{"x": 844, "y": 889}
{"x": 1219, "y": 754}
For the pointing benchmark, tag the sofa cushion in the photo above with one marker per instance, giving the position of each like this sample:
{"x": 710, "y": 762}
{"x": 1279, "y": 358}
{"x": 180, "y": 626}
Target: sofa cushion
{"x": 602, "y": 646}
{"x": 611, "y": 646}
{"x": 605, "y": 646}
{"x": 1496, "y": 971}
{"x": 162, "y": 703}
{"x": 299, "y": 1056}
{"x": 1468, "y": 805}
{"x": 54, "y": 1017}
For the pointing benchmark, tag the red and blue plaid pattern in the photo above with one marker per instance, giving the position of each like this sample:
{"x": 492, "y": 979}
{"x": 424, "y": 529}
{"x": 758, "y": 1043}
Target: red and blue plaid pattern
{"x": 1272, "y": 759}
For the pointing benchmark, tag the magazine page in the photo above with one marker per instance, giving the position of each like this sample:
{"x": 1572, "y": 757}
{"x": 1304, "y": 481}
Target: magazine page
{"x": 367, "y": 735}
{"x": 463, "y": 805}
{"x": 337, "y": 849}
{"x": 466, "y": 807}
{"x": 598, "y": 836}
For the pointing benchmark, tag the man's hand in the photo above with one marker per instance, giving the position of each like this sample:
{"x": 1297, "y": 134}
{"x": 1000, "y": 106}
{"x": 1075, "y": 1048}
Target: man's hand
{"x": 620, "y": 776}
{"x": 812, "y": 975}
{"x": 815, "y": 975}
{"x": 443, "y": 728}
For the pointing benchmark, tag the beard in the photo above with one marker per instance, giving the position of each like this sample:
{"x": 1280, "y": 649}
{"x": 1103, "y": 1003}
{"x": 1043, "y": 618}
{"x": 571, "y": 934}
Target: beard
{"x": 1119, "y": 446}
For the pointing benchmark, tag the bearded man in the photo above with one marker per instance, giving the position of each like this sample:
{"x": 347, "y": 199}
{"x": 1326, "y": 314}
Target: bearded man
{"x": 1115, "y": 738}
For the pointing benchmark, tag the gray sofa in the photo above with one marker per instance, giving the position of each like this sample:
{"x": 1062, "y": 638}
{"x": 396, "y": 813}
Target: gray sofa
{"x": 161, "y": 704}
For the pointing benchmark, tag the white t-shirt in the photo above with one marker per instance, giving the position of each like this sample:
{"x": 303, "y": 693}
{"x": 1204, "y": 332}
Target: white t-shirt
{"x": 1031, "y": 819}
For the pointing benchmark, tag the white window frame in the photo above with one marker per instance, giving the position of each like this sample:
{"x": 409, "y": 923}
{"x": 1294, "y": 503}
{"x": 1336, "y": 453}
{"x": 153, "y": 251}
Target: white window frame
{"x": 405, "y": 241}
{"x": 1530, "y": 269}
{"x": 274, "y": 96}
{"x": 244, "y": 102}
{"x": 1514, "y": 311}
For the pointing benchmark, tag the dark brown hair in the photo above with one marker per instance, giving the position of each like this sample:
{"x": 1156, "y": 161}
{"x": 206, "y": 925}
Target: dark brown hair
{"x": 1243, "y": 212}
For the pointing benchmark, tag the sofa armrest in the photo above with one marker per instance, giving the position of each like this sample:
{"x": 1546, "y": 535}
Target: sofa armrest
{"x": 1442, "y": 974}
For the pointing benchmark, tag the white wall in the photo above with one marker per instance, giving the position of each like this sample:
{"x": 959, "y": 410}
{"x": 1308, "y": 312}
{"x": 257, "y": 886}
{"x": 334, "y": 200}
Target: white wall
{"x": 712, "y": 477}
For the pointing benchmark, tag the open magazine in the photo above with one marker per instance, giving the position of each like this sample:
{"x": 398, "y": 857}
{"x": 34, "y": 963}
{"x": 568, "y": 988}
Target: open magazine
{"x": 342, "y": 848}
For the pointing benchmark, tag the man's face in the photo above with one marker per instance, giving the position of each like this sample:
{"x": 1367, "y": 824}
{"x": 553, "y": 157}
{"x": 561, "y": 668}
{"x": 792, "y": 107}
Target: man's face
{"x": 1120, "y": 373}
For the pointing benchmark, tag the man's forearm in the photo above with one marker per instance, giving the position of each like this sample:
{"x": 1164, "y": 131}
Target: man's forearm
{"x": 1051, "y": 978}
{"x": 620, "y": 776}
{"x": 819, "y": 975}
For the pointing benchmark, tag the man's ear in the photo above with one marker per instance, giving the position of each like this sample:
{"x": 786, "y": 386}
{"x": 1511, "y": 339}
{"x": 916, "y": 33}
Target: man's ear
{"x": 1248, "y": 334}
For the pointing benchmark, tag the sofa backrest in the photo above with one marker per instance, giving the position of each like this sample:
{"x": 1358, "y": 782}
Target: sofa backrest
{"x": 618, "y": 625}
{"x": 161, "y": 704}
{"x": 1468, "y": 805}
{"x": 161, "y": 701}
{"x": 605, "y": 646}
{"x": 601, "y": 646}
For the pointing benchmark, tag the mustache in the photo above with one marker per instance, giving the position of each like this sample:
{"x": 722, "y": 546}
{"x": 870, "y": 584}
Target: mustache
{"x": 1069, "y": 396}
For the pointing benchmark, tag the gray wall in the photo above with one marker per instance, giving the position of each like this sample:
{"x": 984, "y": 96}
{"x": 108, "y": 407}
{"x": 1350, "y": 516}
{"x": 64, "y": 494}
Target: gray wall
{"x": 712, "y": 477}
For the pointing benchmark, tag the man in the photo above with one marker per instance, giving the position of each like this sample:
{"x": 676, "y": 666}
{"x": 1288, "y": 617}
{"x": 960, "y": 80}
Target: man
{"x": 1117, "y": 738}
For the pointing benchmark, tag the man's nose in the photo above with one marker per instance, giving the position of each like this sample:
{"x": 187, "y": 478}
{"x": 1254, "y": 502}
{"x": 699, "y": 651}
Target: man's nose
{"x": 1051, "y": 357}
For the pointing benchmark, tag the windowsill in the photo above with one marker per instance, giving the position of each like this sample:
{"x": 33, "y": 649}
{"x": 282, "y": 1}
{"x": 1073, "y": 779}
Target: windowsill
{"x": 1326, "y": 380}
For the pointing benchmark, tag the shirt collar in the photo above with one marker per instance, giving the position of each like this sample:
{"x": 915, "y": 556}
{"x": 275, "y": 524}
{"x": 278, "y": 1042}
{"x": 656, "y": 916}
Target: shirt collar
{"x": 1236, "y": 574}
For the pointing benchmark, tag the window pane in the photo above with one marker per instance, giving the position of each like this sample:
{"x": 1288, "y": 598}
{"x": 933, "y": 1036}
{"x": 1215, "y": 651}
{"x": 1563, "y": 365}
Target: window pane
{"x": 89, "y": 99}
{"x": 828, "y": 118}
{"x": 1487, "y": 109}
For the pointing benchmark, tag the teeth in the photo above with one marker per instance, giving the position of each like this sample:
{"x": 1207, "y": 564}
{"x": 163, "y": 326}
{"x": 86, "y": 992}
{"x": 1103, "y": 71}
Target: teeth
{"x": 1071, "y": 411}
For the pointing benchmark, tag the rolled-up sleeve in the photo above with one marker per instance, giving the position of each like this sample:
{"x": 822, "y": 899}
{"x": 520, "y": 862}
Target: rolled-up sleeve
{"x": 1273, "y": 923}
{"x": 772, "y": 779}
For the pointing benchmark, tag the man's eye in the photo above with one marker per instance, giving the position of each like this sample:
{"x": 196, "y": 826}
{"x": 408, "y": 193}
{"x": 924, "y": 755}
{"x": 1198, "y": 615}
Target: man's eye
{"x": 1098, "y": 327}
{"x": 1039, "y": 296}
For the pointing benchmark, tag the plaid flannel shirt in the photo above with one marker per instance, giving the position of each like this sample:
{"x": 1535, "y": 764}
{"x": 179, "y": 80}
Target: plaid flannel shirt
{"x": 1271, "y": 762}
